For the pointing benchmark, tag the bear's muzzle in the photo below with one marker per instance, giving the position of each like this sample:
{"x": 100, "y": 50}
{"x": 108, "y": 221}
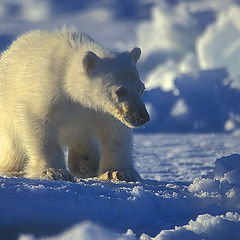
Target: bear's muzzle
{"x": 137, "y": 118}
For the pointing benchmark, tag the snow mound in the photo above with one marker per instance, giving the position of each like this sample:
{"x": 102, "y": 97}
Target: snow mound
{"x": 172, "y": 30}
{"x": 207, "y": 227}
{"x": 220, "y": 187}
{"x": 227, "y": 168}
{"x": 223, "y": 182}
{"x": 219, "y": 45}
{"x": 203, "y": 103}
{"x": 191, "y": 40}
{"x": 85, "y": 231}
{"x": 220, "y": 227}
{"x": 188, "y": 37}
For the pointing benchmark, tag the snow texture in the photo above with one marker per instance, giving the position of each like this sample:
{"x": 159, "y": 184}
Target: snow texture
{"x": 183, "y": 195}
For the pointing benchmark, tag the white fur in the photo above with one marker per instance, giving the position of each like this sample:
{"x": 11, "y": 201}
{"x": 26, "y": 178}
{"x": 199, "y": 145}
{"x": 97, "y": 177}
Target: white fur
{"x": 55, "y": 94}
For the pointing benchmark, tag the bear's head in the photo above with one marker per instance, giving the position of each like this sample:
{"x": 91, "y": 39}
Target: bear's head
{"x": 116, "y": 86}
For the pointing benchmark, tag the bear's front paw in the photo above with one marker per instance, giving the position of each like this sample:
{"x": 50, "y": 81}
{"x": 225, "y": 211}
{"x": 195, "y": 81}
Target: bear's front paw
{"x": 121, "y": 175}
{"x": 82, "y": 172}
{"x": 57, "y": 174}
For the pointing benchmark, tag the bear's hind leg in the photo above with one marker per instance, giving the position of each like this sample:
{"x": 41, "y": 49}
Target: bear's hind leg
{"x": 83, "y": 158}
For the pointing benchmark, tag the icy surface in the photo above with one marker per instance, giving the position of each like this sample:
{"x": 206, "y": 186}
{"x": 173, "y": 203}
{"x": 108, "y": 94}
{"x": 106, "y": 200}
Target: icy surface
{"x": 181, "y": 157}
{"x": 184, "y": 194}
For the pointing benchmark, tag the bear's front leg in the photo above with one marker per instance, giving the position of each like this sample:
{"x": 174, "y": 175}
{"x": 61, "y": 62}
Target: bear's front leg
{"x": 116, "y": 153}
{"x": 45, "y": 155}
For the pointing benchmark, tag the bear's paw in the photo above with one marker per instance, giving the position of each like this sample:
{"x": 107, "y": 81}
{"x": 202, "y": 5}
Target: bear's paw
{"x": 57, "y": 174}
{"x": 121, "y": 175}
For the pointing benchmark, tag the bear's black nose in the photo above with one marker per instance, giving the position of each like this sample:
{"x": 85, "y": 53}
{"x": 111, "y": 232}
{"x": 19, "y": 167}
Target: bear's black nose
{"x": 137, "y": 118}
{"x": 142, "y": 116}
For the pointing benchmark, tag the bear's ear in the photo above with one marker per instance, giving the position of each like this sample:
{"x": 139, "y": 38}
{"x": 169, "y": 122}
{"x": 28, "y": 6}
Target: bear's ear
{"x": 135, "y": 54}
{"x": 90, "y": 61}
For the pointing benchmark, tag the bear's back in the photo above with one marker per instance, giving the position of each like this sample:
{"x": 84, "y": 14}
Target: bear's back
{"x": 28, "y": 65}
{"x": 32, "y": 67}
{"x": 37, "y": 41}
{"x": 39, "y": 52}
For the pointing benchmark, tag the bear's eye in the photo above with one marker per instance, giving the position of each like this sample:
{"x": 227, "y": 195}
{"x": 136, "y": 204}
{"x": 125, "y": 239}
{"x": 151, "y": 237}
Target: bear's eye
{"x": 121, "y": 92}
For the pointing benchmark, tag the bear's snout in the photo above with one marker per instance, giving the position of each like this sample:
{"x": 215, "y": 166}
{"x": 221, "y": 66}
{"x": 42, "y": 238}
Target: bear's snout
{"x": 142, "y": 116}
{"x": 138, "y": 118}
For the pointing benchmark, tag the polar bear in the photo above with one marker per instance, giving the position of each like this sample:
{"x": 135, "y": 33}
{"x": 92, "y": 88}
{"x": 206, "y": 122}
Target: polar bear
{"x": 60, "y": 89}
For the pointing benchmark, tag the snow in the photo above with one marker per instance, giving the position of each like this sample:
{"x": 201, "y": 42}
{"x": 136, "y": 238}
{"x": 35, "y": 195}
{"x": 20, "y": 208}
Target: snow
{"x": 212, "y": 55}
{"x": 84, "y": 231}
{"x": 191, "y": 184}
{"x": 184, "y": 194}
{"x": 192, "y": 40}
{"x": 206, "y": 227}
